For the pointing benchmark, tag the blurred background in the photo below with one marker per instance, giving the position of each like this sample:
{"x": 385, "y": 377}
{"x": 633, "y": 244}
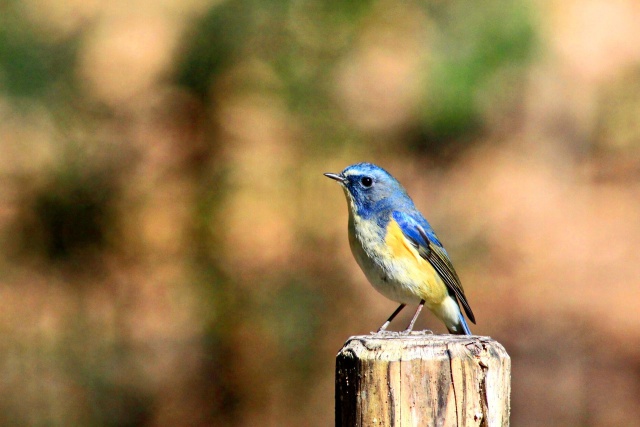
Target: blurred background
{"x": 170, "y": 253}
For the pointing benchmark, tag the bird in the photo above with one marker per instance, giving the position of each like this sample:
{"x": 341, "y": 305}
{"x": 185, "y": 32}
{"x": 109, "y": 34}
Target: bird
{"x": 397, "y": 249}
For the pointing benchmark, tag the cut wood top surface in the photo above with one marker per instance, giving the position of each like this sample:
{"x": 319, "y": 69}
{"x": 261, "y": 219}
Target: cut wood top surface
{"x": 394, "y": 345}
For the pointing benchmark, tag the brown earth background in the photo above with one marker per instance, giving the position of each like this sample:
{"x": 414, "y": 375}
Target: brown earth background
{"x": 170, "y": 253}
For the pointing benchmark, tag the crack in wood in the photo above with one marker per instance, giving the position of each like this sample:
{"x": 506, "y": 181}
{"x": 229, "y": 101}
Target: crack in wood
{"x": 453, "y": 383}
{"x": 482, "y": 381}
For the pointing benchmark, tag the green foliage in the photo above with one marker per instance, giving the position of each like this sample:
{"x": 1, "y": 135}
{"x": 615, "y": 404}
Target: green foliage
{"x": 473, "y": 45}
{"x": 213, "y": 44}
{"x": 30, "y": 66}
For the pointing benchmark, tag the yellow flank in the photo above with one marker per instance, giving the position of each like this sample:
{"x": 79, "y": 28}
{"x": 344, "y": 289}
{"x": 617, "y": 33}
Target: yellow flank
{"x": 412, "y": 270}
{"x": 398, "y": 244}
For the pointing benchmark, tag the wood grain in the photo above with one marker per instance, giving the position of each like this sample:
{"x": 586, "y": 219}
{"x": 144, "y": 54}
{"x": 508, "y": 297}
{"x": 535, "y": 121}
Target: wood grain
{"x": 422, "y": 380}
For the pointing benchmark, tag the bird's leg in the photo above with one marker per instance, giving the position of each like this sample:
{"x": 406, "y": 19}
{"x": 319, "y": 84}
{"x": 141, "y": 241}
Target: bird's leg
{"x": 415, "y": 317}
{"x": 393, "y": 315}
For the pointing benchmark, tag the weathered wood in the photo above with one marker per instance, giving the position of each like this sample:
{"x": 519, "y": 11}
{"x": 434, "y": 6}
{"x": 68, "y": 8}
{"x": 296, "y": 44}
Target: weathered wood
{"x": 422, "y": 380}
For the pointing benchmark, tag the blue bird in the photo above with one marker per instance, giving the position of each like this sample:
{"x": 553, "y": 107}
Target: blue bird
{"x": 397, "y": 249}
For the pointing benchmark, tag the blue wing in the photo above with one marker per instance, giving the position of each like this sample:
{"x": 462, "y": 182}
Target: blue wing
{"x": 421, "y": 235}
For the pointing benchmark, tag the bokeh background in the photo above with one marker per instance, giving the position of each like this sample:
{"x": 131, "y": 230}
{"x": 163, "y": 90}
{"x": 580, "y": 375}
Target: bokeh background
{"x": 170, "y": 253}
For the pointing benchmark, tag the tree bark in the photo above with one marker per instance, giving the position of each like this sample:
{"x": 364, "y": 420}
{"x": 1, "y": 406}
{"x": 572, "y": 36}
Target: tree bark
{"x": 422, "y": 380}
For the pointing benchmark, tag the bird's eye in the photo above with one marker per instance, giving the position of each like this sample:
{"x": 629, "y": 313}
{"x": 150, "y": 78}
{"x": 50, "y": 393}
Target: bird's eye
{"x": 366, "y": 181}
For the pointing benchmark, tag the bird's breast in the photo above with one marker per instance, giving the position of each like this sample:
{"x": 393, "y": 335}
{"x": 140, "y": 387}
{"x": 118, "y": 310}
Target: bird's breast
{"x": 392, "y": 265}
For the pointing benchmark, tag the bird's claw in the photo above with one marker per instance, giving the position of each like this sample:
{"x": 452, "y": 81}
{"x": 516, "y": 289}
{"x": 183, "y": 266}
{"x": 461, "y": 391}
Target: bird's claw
{"x": 415, "y": 333}
{"x": 385, "y": 333}
{"x": 405, "y": 333}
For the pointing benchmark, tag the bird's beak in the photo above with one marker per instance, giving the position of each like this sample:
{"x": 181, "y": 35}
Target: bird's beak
{"x": 341, "y": 179}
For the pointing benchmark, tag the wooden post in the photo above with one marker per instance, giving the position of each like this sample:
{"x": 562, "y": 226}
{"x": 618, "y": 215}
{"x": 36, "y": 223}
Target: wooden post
{"x": 422, "y": 380}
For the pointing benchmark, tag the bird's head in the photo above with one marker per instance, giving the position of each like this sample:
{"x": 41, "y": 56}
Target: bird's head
{"x": 369, "y": 188}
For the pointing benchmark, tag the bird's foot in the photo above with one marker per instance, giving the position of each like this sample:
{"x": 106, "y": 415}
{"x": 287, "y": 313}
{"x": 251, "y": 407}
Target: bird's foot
{"x": 416, "y": 333}
{"x": 385, "y": 333}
